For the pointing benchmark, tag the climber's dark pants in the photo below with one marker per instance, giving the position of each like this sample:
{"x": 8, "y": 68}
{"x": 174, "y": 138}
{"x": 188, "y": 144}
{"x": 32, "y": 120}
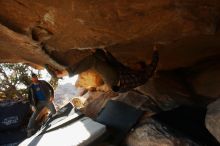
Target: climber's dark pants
{"x": 99, "y": 63}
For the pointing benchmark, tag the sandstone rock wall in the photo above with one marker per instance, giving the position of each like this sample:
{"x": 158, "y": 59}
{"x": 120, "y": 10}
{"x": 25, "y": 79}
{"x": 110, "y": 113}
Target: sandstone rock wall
{"x": 187, "y": 31}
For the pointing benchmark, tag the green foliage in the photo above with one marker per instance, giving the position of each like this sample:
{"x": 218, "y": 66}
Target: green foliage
{"x": 14, "y": 79}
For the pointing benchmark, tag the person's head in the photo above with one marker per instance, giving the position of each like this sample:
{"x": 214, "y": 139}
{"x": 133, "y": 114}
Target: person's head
{"x": 34, "y": 78}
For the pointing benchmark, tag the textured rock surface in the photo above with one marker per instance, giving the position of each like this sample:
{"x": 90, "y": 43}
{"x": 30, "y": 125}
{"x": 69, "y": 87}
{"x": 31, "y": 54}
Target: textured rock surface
{"x": 128, "y": 29}
{"x": 167, "y": 90}
{"x": 139, "y": 101}
{"x": 96, "y": 101}
{"x": 62, "y": 33}
{"x": 212, "y": 120}
{"x": 205, "y": 79}
{"x": 50, "y": 32}
{"x": 15, "y": 47}
{"x": 153, "y": 133}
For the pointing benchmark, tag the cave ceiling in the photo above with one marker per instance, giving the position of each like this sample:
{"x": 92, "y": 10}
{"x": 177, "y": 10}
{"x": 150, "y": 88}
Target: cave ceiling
{"x": 61, "y": 33}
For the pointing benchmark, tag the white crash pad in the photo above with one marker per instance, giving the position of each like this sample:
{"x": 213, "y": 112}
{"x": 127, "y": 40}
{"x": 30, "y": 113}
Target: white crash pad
{"x": 79, "y": 133}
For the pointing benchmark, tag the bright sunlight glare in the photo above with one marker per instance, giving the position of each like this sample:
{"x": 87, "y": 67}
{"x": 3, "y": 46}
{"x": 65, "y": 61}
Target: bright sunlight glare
{"x": 46, "y": 76}
{"x": 67, "y": 79}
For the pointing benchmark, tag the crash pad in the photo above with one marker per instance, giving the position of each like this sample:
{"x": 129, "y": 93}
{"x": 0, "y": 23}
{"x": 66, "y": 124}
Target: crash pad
{"x": 79, "y": 133}
{"x": 119, "y": 118}
{"x": 13, "y": 115}
{"x": 68, "y": 127}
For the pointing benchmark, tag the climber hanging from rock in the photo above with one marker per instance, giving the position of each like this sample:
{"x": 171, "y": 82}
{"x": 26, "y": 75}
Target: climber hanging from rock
{"x": 118, "y": 76}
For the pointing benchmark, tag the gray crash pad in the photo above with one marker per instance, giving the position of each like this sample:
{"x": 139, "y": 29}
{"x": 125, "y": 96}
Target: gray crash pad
{"x": 119, "y": 118}
{"x": 68, "y": 128}
{"x": 79, "y": 133}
